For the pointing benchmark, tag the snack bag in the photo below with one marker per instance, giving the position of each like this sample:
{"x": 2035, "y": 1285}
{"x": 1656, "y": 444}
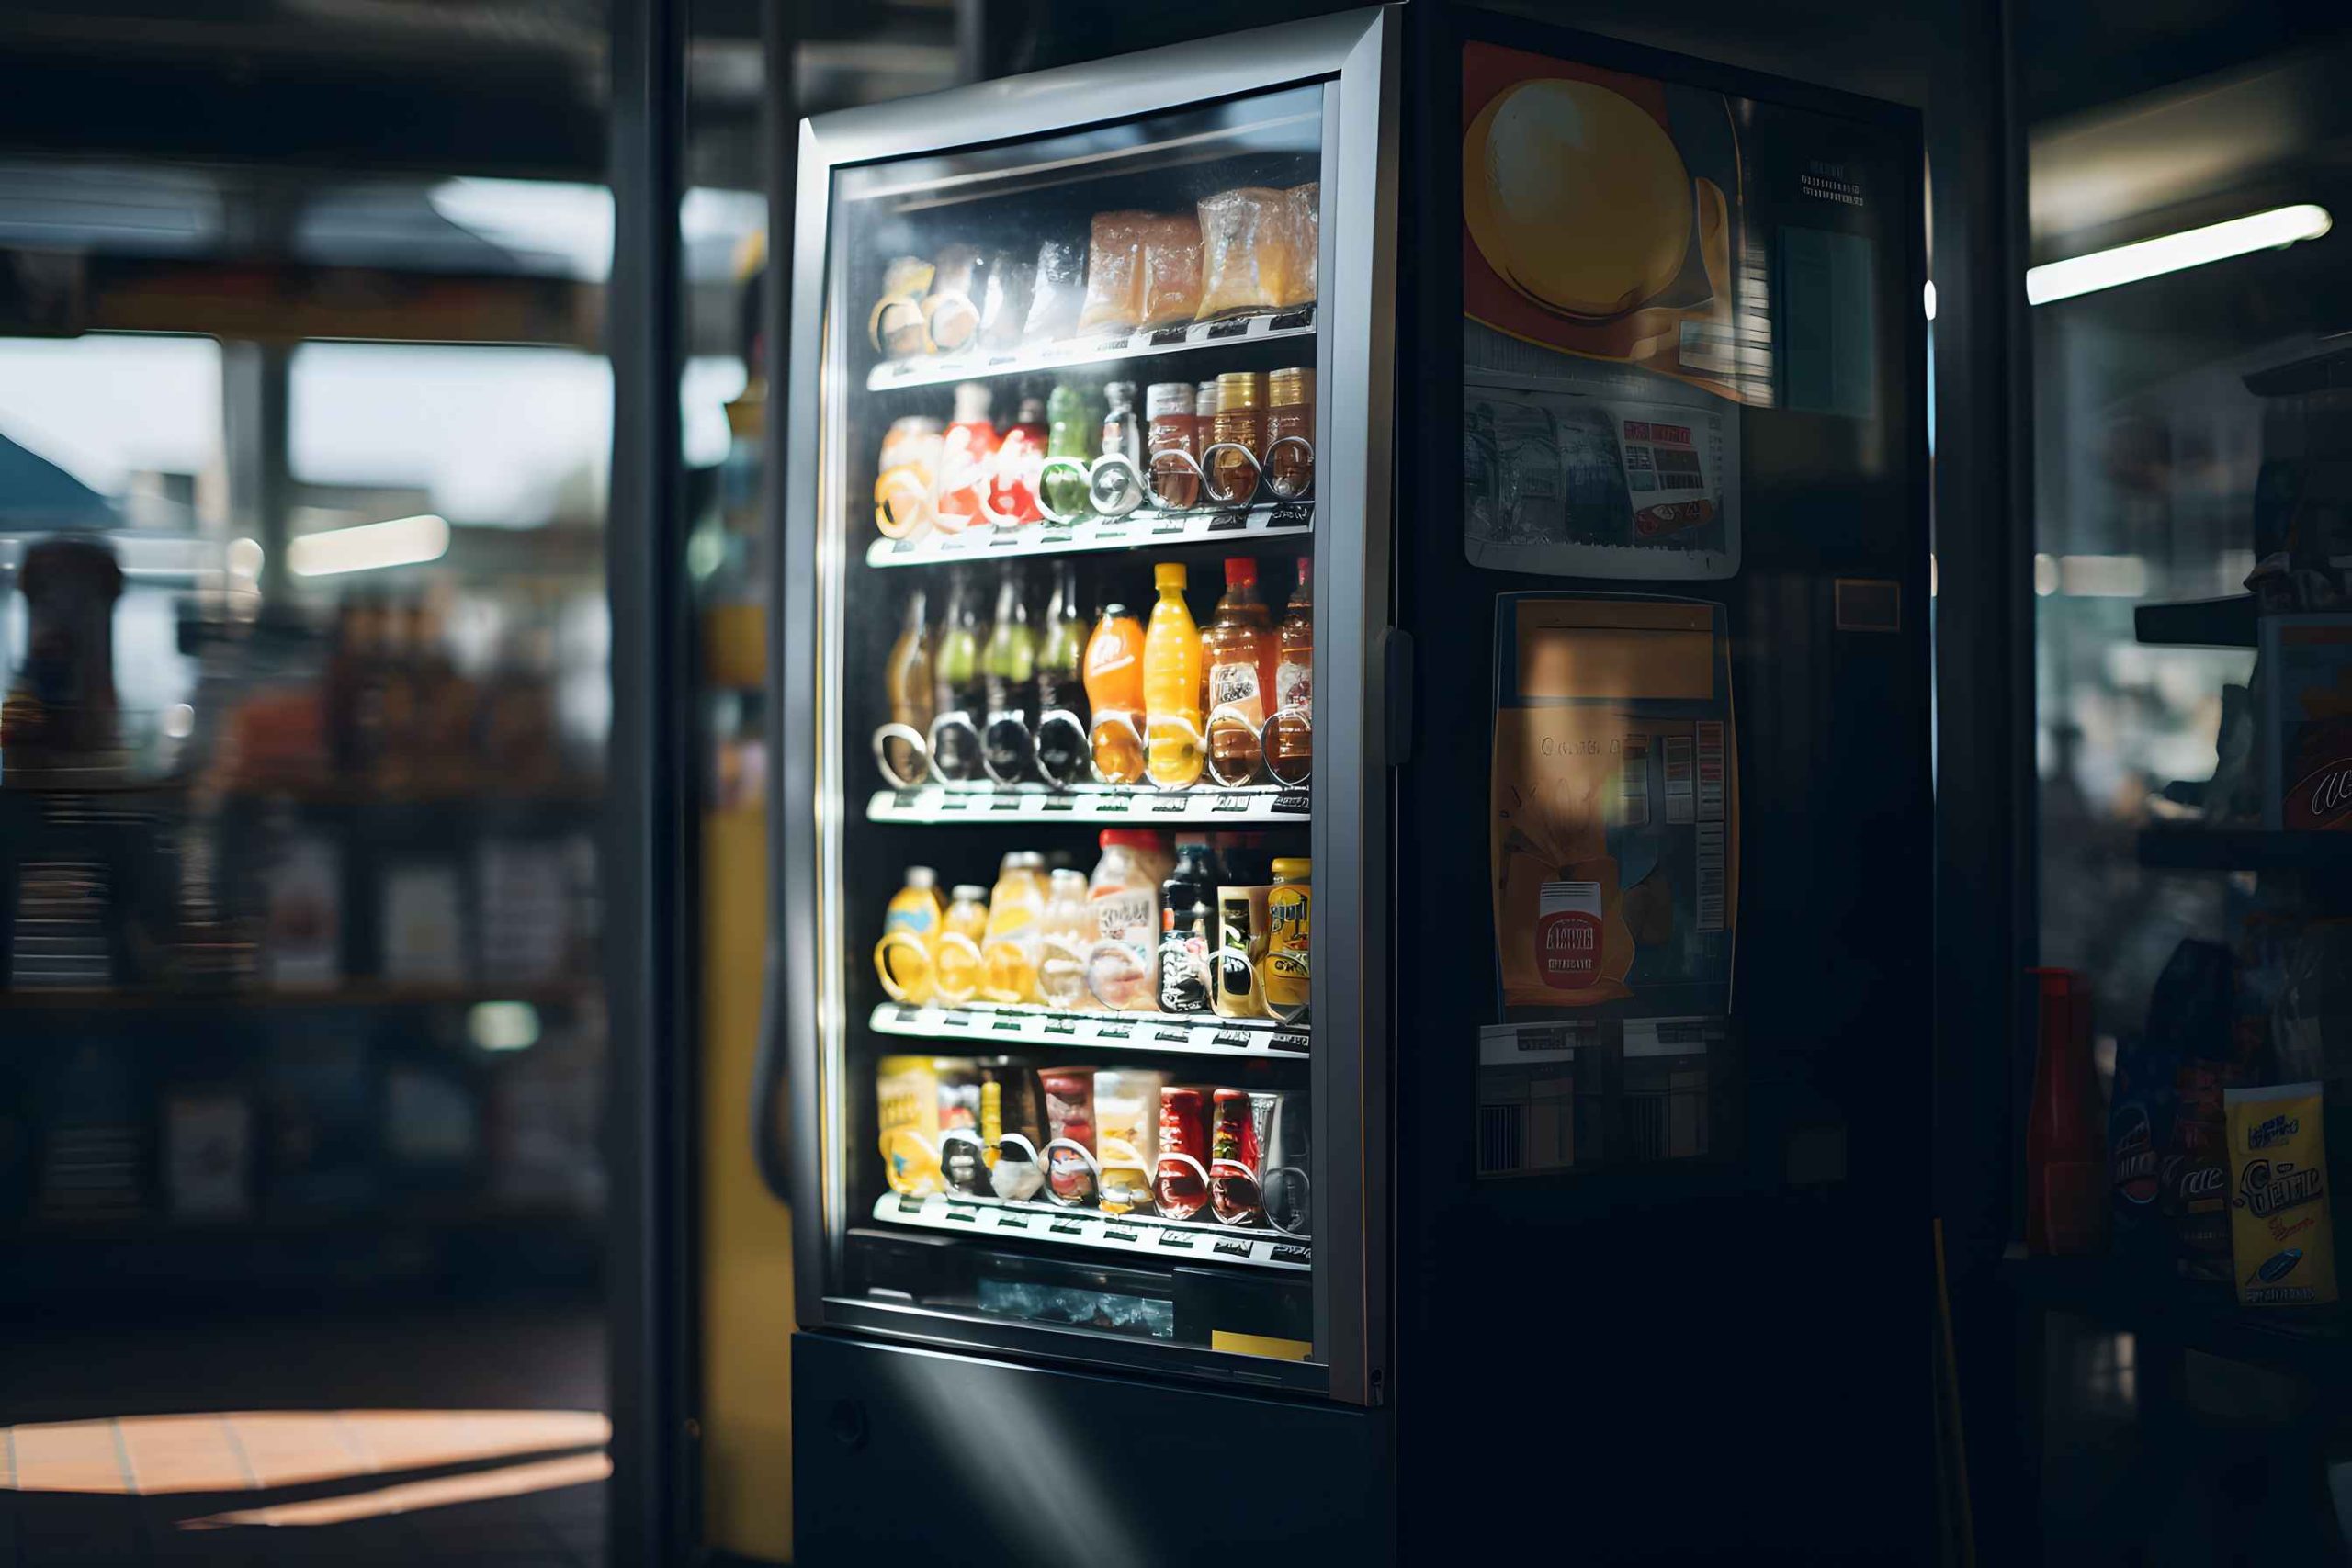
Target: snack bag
{"x": 1616, "y": 826}
{"x": 2282, "y": 1242}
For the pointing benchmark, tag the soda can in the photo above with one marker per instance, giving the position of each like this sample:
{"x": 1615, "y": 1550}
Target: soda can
{"x": 1233, "y": 1160}
{"x": 1180, "y": 1181}
{"x": 1284, "y": 1182}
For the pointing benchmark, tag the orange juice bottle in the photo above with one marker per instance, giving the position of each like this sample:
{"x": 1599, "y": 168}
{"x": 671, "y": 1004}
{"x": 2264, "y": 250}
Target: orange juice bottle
{"x": 955, "y": 970}
{"x": 1009, "y": 943}
{"x": 908, "y": 953}
{"x": 1171, "y": 685}
{"x": 1114, "y": 695}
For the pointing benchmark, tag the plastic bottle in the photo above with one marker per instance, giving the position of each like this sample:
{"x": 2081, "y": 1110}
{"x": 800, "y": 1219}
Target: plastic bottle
{"x": 1009, "y": 946}
{"x": 1122, "y": 966}
{"x": 968, "y": 460}
{"x": 1184, "y": 915}
{"x": 1240, "y": 427}
{"x": 1013, "y": 478}
{"x": 1009, "y": 675}
{"x": 1065, "y": 934}
{"x": 1171, "y": 685}
{"x": 1290, "y": 432}
{"x": 956, "y": 971}
{"x": 1172, "y": 437}
{"x": 1289, "y": 920}
{"x": 906, "y": 955}
{"x": 907, "y": 678}
{"x": 958, "y": 684}
{"x": 1062, "y": 749}
{"x": 1073, "y": 428}
{"x": 1240, "y": 649}
{"x": 1114, "y": 695}
{"x": 1115, "y": 483}
{"x": 1290, "y": 750}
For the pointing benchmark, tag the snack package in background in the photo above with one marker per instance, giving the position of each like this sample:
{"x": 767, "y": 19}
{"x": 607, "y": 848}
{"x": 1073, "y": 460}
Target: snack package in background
{"x": 1115, "y": 272}
{"x": 896, "y": 325}
{"x": 1171, "y": 268}
{"x": 1249, "y": 252}
{"x": 951, "y": 310}
{"x": 1126, "y": 1137}
{"x": 1305, "y": 204}
{"x": 1056, "y": 291}
{"x": 2306, "y": 678}
{"x": 1005, "y": 299}
{"x": 1614, "y": 837}
{"x": 2188, "y": 1018}
{"x": 2282, "y": 1241}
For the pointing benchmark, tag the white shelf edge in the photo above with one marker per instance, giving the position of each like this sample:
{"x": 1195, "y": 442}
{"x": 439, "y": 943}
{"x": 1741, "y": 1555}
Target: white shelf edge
{"x": 1135, "y": 1236}
{"x": 1095, "y": 805}
{"x": 1138, "y": 530}
{"x": 937, "y": 370}
{"x": 999, "y": 1026}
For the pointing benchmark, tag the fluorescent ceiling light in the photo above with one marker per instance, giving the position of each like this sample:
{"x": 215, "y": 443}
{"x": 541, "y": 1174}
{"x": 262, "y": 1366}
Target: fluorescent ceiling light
{"x": 404, "y": 541}
{"x": 2193, "y": 247}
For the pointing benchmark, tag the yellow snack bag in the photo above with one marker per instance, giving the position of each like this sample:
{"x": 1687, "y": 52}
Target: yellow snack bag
{"x": 2282, "y": 1243}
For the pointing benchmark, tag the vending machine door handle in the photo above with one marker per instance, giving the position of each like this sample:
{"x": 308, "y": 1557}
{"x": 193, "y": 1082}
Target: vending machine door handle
{"x": 1397, "y": 695}
{"x": 768, "y": 1116}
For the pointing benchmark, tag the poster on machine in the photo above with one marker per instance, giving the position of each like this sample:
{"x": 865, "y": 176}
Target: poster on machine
{"x": 1613, "y": 329}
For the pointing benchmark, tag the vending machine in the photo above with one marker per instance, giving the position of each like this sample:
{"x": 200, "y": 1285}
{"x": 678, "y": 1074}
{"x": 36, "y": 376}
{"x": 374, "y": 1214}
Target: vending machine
{"x": 1355, "y": 883}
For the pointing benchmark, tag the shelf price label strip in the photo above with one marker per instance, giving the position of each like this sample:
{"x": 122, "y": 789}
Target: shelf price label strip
{"x": 1209, "y": 1036}
{"x": 1132, "y": 1234}
{"x": 933, "y": 370}
{"x": 940, "y": 803}
{"x": 1141, "y": 528}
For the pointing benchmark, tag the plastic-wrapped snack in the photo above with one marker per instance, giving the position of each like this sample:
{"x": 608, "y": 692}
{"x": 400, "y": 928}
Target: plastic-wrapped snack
{"x": 951, "y": 311}
{"x": 1115, "y": 272}
{"x": 895, "y": 326}
{"x": 1248, "y": 251}
{"x": 1171, "y": 268}
{"x": 1307, "y": 242}
{"x": 1056, "y": 293}
{"x": 1004, "y": 301}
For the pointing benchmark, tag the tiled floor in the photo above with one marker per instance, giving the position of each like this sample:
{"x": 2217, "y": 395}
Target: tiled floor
{"x": 439, "y": 1435}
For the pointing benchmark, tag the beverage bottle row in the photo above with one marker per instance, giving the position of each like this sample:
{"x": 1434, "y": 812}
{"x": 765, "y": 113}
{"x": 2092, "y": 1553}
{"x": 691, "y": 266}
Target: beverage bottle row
{"x": 1167, "y": 702}
{"x": 1088, "y": 450}
{"x": 1118, "y": 1141}
{"x": 1214, "y": 925}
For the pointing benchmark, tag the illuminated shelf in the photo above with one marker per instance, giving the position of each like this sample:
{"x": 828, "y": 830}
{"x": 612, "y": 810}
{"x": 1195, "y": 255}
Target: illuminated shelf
{"x": 982, "y": 1024}
{"x": 1137, "y": 1237}
{"x": 935, "y": 370}
{"x": 1142, "y": 529}
{"x": 1092, "y": 803}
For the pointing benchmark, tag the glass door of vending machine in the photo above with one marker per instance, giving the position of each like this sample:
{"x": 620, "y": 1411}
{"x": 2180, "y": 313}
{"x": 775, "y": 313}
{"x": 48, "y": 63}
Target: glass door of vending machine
{"x": 1084, "y": 535}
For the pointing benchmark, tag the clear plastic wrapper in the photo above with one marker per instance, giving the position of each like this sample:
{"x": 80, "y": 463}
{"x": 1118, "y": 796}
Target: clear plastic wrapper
{"x": 1250, "y": 252}
{"x": 1306, "y": 243}
{"x": 1114, "y": 271}
{"x": 895, "y": 326}
{"x": 951, "y": 310}
{"x": 1056, "y": 291}
{"x": 1172, "y": 269}
{"x": 1005, "y": 299}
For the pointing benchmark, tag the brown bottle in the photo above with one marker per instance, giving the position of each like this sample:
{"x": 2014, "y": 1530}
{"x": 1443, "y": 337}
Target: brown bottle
{"x": 1292, "y": 751}
{"x": 1238, "y": 652}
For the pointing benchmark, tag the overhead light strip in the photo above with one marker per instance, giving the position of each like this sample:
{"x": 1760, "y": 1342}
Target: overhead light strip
{"x": 2280, "y": 227}
{"x": 404, "y": 541}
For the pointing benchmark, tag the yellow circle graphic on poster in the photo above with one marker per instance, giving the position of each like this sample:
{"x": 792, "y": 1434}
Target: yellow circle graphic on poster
{"x": 1576, "y": 195}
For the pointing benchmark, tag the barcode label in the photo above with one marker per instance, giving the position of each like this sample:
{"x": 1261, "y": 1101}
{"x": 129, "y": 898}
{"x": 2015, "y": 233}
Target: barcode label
{"x": 1634, "y": 783}
{"x": 1711, "y": 771}
{"x": 1681, "y": 796}
{"x": 1713, "y": 839}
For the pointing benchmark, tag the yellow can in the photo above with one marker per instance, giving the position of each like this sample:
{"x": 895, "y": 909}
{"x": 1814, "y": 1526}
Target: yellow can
{"x": 1289, "y": 911}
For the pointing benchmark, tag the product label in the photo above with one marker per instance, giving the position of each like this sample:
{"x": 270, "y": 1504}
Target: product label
{"x": 1234, "y": 684}
{"x": 1295, "y": 687}
{"x": 2322, "y": 800}
{"x": 2281, "y": 1241}
{"x": 1569, "y": 948}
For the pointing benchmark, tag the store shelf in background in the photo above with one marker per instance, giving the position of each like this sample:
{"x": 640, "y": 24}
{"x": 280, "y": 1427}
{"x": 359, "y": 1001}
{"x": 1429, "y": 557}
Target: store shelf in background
{"x": 2315, "y": 1343}
{"x": 2226, "y": 622}
{"x": 355, "y": 994}
{"x": 933, "y": 370}
{"x": 1000, "y": 1026}
{"x": 1167, "y": 1241}
{"x": 1091, "y": 804}
{"x": 2244, "y": 849}
{"x": 1137, "y": 530}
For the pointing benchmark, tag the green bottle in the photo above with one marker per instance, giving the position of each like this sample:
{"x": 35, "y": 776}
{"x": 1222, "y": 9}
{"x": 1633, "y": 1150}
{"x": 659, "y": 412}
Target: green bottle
{"x": 1073, "y": 429}
{"x": 955, "y": 670}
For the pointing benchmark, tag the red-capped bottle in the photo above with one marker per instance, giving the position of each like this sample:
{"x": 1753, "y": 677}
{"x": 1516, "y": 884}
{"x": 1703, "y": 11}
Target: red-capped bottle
{"x": 2065, "y": 1137}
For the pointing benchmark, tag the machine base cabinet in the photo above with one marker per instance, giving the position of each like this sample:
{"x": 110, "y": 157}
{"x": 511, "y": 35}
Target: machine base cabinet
{"x": 915, "y": 1456}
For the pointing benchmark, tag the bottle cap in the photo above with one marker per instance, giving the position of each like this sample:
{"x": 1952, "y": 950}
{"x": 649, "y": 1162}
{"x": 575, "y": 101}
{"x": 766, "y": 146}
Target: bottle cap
{"x": 1204, "y": 400}
{"x": 1128, "y": 839}
{"x": 922, "y": 876}
{"x": 1025, "y": 860}
{"x": 971, "y": 401}
{"x": 971, "y": 893}
{"x": 1169, "y": 574}
{"x": 1306, "y": 568}
{"x": 1114, "y": 611}
{"x": 1290, "y": 388}
{"x": 1119, "y": 394}
{"x": 1068, "y": 879}
{"x": 1167, "y": 398}
{"x": 1239, "y": 392}
{"x": 1292, "y": 868}
{"x": 1240, "y": 572}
